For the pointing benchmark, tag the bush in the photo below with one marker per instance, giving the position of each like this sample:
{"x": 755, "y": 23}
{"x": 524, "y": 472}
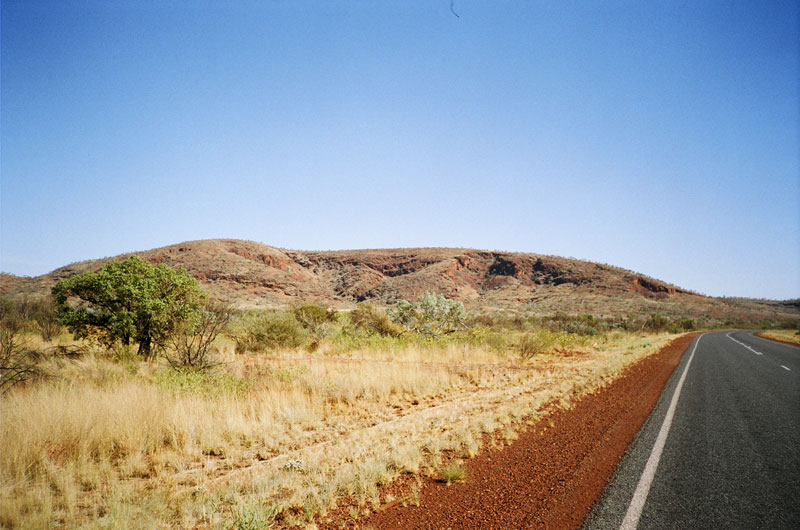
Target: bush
{"x": 531, "y": 344}
{"x": 372, "y": 319}
{"x": 46, "y": 318}
{"x": 18, "y": 362}
{"x": 656, "y": 322}
{"x": 270, "y": 330}
{"x": 193, "y": 340}
{"x": 685, "y": 324}
{"x": 36, "y": 314}
{"x": 433, "y": 314}
{"x": 312, "y": 316}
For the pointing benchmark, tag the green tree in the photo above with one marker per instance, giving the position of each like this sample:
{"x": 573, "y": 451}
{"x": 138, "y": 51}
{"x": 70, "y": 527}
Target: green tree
{"x": 129, "y": 301}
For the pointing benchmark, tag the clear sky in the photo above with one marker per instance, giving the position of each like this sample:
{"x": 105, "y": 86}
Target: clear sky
{"x": 663, "y": 137}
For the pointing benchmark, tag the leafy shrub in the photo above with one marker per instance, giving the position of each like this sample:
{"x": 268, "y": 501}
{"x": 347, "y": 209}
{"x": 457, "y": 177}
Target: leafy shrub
{"x": 433, "y": 314}
{"x": 370, "y": 318}
{"x": 269, "y": 330}
{"x": 312, "y": 316}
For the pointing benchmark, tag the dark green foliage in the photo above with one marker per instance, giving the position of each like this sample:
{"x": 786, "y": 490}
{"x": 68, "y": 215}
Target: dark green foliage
{"x": 129, "y": 301}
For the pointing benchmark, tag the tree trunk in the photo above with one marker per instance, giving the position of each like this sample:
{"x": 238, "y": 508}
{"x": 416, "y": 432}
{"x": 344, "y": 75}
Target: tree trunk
{"x": 145, "y": 347}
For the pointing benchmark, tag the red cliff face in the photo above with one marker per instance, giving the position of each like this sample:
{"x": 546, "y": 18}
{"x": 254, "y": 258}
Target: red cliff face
{"x": 654, "y": 286}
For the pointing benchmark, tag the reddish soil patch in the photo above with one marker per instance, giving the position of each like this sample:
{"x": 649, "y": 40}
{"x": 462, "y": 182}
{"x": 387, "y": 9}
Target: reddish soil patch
{"x": 554, "y": 472}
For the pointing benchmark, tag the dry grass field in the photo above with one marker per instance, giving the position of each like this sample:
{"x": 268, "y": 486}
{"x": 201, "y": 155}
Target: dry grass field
{"x": 789, "y": 336}
{"x": 108, "y": 441}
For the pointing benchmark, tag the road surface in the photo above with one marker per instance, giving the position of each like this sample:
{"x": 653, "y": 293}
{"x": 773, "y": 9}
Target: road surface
{"x": 723, "y": 452}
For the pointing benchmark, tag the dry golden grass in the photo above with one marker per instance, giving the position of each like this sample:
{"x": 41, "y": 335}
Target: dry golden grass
{"x": 110, "y": 443}
{"x": 790, "y": 336}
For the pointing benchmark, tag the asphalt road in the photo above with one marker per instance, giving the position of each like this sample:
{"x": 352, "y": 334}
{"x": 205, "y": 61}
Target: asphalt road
{"x": 730, "y": 457}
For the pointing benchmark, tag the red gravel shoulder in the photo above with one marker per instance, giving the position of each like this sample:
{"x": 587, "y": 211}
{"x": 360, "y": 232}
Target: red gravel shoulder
{"x": 554, "y": 472}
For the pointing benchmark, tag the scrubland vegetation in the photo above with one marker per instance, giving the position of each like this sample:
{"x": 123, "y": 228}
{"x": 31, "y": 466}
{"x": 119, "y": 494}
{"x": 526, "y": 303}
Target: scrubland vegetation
{"x": 287, "y": 415}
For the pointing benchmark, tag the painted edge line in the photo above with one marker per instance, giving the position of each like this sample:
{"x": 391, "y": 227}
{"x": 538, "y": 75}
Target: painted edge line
{"x": 634, "y": 512}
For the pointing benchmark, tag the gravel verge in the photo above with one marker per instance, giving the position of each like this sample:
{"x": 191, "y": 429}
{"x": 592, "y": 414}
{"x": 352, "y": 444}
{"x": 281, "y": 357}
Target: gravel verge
{"x": 550, "y": 476}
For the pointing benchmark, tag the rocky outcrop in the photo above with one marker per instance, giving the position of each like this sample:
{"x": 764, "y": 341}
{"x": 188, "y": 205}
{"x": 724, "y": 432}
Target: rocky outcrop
{"x": 255, "y": 275}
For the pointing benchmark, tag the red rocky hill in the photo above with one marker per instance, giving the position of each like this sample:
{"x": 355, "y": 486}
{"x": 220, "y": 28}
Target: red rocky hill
{"x": 252, "y": 274}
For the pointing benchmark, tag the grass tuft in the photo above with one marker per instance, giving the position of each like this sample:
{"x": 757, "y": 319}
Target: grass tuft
{"x": 454, "y": 473}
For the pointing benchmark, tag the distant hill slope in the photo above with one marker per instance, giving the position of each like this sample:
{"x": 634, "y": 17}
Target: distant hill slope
{"x": 251, "y": 274}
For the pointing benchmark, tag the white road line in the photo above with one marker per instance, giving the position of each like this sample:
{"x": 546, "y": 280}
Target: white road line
{"x": 786, "y": 368}
{"x": 743, "y": 344}
{"x": 643, "y": 488}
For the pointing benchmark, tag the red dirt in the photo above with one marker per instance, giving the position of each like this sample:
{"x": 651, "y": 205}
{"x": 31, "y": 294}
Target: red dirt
{"x": 554, "y": 472}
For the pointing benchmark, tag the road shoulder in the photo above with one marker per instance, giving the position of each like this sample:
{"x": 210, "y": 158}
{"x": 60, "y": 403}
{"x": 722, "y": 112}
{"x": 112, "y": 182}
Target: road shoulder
{"x": 551, "y": 476}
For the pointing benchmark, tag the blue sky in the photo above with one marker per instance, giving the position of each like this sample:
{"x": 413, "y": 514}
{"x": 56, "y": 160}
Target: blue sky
{"x": 662, "y": 137}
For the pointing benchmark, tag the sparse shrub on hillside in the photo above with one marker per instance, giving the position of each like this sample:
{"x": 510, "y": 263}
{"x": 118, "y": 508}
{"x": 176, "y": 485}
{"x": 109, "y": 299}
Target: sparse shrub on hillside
{"x": 433, "y": 314}
{"x": 269, "y": 330}
{"x": 681, "y": 325}
{"x": 788, "y": 323}
{"x": 656, "y": 322}
{"x": 370, "y": 318}
{"x": 584, "y": 324}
